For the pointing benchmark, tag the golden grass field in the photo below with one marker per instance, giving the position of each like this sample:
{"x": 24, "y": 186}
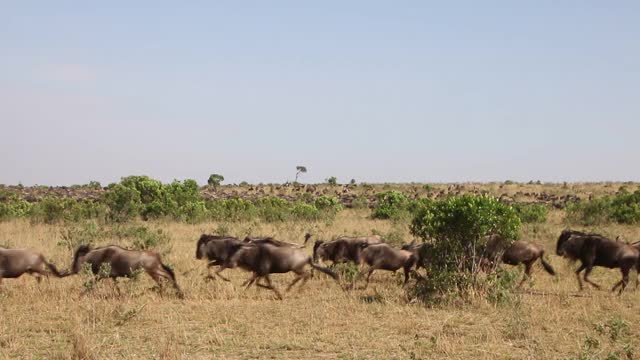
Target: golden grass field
{"x": 552, "y": 320}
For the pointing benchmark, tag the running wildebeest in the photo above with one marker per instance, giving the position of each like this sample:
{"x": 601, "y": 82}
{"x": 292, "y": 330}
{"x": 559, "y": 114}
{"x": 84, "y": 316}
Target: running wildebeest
{"x": 596, "y": 250}
{"x": 123, "y": 263}
{"x": 265, "y": 259}
{"x": 217, "y": 249}
{"x": 15, "y": 262}
{"x": 384, "y": 257}
{"x": 519, "y": 252}
{"x": 342, "y": 249}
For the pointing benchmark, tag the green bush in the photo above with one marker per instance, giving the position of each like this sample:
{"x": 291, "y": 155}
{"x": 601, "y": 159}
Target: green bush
{"x": 456, "y": 228}
{"x": 303, "y": 211}
{"x": 123, "y": 202}
{"x": 623, "y": 208}
{"x": 142, "y": 197}
{"x": 531, "y": 213}
{"x": 272, "y": 209}
{"x": 193, "y": 212}
{"x": 589, "y": 213}
{"x": 391, "y": 205}
{"x": 328, "y": 204}
{"x": 52, "y": 210}
{"x": 11, "y": 206}
{"x": 231, "y": 210}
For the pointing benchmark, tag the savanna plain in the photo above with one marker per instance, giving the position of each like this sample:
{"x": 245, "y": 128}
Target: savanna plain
{"x": 548, "y": 318}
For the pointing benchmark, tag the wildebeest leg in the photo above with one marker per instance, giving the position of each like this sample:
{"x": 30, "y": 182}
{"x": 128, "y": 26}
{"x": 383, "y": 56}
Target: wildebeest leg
{"x": 360, "y": 275}
{"x": 211, "y": 264}
{"x": 625, "y": 280}
{"x": 366, "y": 284}
{"x": 37, "y": 274}
{"x": 270, "y": 286}
{"x": 582, "y": 267}
{"x": 220, "y": 276}
{"x": 156, "y": 277}
{"x": 295, "y": 281}
{"x": 586, "y": 277}
{"x": 528, "y": 267}
{"x": 250, "y": 281}
{"x": 407, "y": 271}
{"x": 305, "y": 278}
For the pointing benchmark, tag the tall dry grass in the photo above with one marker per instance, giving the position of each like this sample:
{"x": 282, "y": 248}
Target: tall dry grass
{"x": 548, "y": 320}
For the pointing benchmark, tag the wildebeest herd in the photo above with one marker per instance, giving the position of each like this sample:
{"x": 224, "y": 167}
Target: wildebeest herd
{"x": 263, "y": 256}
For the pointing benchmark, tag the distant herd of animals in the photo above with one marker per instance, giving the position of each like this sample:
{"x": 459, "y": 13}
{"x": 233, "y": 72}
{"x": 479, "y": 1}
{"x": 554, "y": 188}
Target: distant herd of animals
{"x": 263, "y": 256}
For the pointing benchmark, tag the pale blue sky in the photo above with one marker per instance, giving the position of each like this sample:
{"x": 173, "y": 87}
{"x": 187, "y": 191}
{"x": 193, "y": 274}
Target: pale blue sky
{"x": 377, "y": 91}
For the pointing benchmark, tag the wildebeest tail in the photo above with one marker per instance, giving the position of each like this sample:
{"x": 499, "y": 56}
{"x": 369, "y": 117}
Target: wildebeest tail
{"x": 547, "y": 266}
{"x": 172, "y": 274}
{"x": 169, "y": 271}
{"x": 54, "y": 269}
{"x": 323, "y": 269}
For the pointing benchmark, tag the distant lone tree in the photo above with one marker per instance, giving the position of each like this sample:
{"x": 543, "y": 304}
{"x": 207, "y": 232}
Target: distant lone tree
{"x": 332, "y": 181}
{"x": 215, "y": 180}
{"x": 300, "y": 170}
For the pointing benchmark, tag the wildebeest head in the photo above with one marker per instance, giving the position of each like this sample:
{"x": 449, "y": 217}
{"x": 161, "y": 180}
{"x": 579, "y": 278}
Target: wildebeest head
{"x": 202, "y": 247}
{"x": 565, "y": 235}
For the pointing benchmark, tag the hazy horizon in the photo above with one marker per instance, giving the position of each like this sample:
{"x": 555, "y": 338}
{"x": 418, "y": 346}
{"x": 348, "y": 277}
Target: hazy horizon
{"x": 462, "y": 92}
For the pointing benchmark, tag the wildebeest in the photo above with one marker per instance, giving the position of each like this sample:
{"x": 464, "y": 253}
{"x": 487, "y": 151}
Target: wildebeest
{"x": 265, "y": 259}
{"x": 218, "y": 249}
{"x": 15, "y": 262}
{"x": 519, "y": 252}
{"x": 384, "y": 257}
{"x": 123, "y": 262}
{"x": 596, "y": 250}
{"x": 342, "y": 249}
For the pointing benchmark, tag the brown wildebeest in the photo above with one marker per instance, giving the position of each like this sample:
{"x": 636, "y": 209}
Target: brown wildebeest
{"x": 15, "y": 262}
{"x": 217, "y": 250}
{"x": 596, "y": 250}
{"x": 384, "y": 257}
{"x": 265, "y": 259}
{"x": 519, "y": 252}
{"x": 342, "y": 249}
{"x": 123, "y": 263}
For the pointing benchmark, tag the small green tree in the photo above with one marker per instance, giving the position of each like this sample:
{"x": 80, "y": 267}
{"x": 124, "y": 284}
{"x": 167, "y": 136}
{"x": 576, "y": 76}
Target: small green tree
{"x": 455, "y": 229}
{"x": 300, "y": 170}
{"x": 332, "y": 181}
{"x": 215, "y": 180}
